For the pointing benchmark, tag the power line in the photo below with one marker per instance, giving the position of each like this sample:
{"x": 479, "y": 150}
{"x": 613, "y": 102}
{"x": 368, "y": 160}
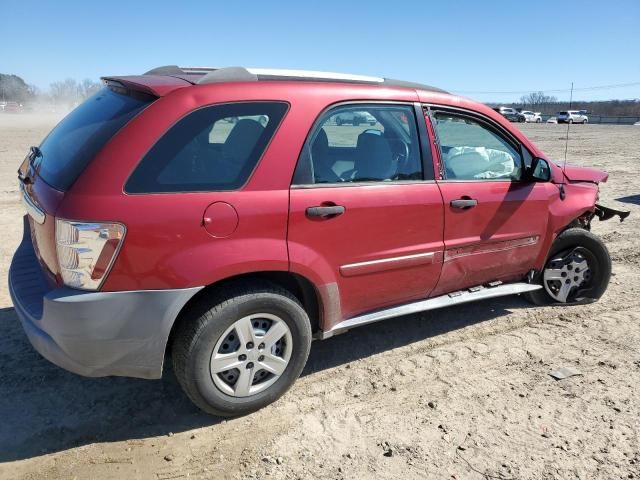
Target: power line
{"x": 555, "y": 90}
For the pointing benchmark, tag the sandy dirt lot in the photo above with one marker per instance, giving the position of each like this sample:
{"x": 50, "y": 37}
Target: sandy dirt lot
{"x": 461, "y": 393}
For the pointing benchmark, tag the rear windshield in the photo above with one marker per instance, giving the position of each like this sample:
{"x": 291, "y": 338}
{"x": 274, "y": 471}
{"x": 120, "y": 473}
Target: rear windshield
{"x": 78, "y": 138}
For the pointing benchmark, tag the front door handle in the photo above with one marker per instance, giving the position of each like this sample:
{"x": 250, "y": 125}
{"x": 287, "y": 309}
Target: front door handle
{"x": 464, "y": 203}
{"x": 326, "y": 211}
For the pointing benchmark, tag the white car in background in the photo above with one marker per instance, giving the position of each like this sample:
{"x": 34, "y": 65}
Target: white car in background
{"x": 552, "y": 120}
{"x": 355, "y": 118}
{"x": 532, "y": 117}
{"x": 573, "y": 116}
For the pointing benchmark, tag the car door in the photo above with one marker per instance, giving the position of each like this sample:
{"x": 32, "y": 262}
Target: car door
{"x": 366, "y": 217}
{"x": 494, "y": 220}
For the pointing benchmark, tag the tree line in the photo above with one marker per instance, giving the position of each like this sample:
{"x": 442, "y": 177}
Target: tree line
{"x": 67, "y": 92}
{"x": 550, "y": 105}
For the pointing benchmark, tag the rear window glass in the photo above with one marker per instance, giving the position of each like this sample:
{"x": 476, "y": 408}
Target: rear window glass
{"x": 78, "y": 138}
{"x": 213, "y": 148}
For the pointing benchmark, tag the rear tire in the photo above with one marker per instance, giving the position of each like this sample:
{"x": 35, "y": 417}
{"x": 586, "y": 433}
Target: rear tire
{"x": 212, "y": 332}
{"x": 579, "y": 244}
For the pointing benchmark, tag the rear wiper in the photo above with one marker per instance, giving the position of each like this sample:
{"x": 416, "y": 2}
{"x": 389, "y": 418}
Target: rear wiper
{"x": 34, "y": 152}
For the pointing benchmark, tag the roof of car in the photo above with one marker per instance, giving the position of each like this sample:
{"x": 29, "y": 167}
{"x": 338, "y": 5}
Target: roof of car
{"x": 207, "y": 75}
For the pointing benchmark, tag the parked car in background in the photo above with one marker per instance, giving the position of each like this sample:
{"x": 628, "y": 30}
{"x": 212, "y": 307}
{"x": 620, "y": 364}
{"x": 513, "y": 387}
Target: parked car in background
{"x": 157, "y": 229}
{"x": 552, "y": 120}
{"x": 355, "y": 118}
{"x": 510, "y": 114}
{"x": 532, "y": 117}
{"x": 12, "y": 107}
{"x": 573, "y": 116}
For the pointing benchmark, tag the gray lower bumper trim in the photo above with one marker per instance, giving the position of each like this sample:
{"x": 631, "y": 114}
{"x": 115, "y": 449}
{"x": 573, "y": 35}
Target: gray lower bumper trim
{"x": 94, "y": 333}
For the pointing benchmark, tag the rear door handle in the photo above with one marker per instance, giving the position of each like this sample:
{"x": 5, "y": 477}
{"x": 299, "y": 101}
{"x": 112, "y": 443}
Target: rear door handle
{"x": 325, "y": 212}
{"x": 464, "y": 203}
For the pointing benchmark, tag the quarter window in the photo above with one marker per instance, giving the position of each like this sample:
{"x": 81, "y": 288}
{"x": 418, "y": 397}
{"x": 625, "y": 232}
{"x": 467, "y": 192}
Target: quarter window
{"x": 362, "y": 143}
{"x": 471, "y": 150}
{"x": 213, "y": 148}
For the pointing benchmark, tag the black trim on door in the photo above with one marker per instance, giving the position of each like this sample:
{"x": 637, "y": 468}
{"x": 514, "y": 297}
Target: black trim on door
{"x": 428, "y": 167}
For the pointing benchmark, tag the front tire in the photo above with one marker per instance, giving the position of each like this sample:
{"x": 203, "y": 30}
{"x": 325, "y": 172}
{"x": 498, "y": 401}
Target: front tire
{"x": 577, "y": 270}
{"x": 242, "y": 349}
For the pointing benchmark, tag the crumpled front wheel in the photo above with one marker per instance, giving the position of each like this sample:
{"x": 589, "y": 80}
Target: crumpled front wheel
{"x": 577, "y": 271}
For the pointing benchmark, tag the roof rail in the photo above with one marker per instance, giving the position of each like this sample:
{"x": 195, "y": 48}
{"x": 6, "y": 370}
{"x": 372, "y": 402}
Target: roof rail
{"x": 241, "y": 74}
{"x": 176, "y": 70}
{"x": 206, "y": 75}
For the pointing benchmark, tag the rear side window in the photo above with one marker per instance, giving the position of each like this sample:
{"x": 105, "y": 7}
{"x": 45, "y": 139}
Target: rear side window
{"x": 78, "y": 138}
{"x": 362, "y": 143}
{"x": 214, "y": 148}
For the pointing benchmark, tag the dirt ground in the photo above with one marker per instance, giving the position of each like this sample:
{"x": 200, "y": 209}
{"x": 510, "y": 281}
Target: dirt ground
{"x": 461, "y": 393}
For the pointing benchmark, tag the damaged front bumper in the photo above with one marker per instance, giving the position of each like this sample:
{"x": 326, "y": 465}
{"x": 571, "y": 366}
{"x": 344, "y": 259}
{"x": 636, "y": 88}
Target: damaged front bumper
{"x": 605, "y": 213}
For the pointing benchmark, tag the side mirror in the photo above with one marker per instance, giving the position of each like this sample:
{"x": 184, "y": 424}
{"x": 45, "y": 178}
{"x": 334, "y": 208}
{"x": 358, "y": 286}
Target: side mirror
{"x": 540, "y": 171}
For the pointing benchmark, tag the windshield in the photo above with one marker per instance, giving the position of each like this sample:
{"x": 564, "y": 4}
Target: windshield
{"x": 78, "y": 138}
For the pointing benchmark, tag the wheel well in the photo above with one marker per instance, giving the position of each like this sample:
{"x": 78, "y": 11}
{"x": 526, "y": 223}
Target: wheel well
{"x": 297, "y": 285}
{"x": 582, "y": 221}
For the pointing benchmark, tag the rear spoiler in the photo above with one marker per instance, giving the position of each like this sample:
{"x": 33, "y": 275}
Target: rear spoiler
{"x": 156, "y": 85}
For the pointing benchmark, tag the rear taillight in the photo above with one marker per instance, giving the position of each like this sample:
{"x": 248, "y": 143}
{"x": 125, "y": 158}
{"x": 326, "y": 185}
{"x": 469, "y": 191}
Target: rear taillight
{"x": 86, "y": 251}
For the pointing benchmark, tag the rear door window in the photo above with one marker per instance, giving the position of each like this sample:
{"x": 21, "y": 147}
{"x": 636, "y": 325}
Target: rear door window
{"x": 214, "y": 148}
{"x": 362, "y": 143}
{"x": 78, "y": 138}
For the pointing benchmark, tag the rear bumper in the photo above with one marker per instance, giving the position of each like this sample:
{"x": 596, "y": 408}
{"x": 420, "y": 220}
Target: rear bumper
{"x": 93, "y": 334}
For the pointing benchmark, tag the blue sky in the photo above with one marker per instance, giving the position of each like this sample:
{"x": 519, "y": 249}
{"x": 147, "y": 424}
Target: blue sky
{"x": 466, "y": 46}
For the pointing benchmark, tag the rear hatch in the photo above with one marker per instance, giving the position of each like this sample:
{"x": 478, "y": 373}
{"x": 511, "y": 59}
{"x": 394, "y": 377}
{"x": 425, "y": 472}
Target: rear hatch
{"x": 51, "y": 169}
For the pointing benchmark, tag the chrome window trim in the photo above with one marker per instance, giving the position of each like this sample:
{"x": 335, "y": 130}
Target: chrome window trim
{"x": 360, "y": 184}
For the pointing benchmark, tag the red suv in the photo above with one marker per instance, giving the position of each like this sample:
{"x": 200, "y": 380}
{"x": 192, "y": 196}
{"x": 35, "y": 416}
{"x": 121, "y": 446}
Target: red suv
{"x": 223, "y": 216}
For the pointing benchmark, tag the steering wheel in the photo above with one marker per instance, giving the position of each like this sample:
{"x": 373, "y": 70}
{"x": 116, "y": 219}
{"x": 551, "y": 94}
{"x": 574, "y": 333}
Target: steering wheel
{"x": 372, "y": 131}
{"x": 400, "y": 150}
